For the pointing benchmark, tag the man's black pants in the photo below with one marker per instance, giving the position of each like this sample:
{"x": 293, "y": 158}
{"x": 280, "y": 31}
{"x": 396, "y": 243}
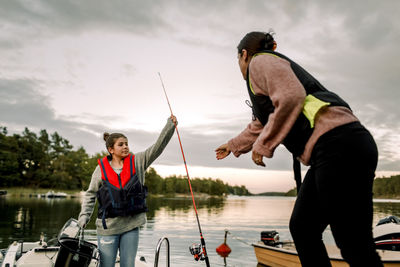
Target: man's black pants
{"x": 337, "y": 191}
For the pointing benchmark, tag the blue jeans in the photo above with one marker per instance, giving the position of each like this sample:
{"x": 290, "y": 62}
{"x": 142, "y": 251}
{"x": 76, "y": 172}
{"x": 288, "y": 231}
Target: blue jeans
{"x": 127, "y": 243}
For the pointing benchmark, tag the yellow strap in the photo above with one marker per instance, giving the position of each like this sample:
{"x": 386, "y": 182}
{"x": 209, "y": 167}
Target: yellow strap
{"x": 257, "y": 54}
{"x": 311, "y": 107}
{"x": 311, "y": 104}
{"x": 251, "y": 87}
{"x": 266, "y": 53}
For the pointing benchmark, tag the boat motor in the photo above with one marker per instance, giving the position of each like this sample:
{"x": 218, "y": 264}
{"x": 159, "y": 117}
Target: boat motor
{"x": 270, "y": 238}
{"x": 74, "y": 251}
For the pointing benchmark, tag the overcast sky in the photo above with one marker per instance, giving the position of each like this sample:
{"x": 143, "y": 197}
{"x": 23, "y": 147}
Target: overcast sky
{"x": 84, "y": 67}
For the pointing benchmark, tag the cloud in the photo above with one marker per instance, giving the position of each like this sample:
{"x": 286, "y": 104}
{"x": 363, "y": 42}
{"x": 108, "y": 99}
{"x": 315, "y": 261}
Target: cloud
{"x": 74, "y": 16}
{"x": 351, "y": 47}
{"x": 22, "y": 104}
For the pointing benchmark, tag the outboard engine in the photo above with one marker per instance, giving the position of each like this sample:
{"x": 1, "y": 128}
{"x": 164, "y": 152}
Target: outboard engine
{"x": 74, "y": 251}
{"x": 387, "y": 233}
{"x": 270, "y": 238}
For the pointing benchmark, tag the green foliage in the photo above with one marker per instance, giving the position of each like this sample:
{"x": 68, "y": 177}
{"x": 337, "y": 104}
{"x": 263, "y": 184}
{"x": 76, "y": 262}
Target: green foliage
{"x": 44, "y": 161}
{"x": 238, "y": 190}
{"x": 9, "y": 167}
{"x": 179, "y": 185}
{"x": 154, "y": 182}
{"x": 387, "y": 187}
{"x": 292, "y": 192}
{"x": 49, "y": 161}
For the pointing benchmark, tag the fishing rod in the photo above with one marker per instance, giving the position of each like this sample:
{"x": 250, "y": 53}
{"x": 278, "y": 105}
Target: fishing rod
{"x": 198, "y": 251}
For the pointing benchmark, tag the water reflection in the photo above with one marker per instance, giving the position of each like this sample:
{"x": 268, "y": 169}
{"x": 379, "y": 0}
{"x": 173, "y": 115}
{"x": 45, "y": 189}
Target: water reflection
{"x": 182, "y": 204}
{"x": 24, "y": 218}
{"x": 382, "y": 209}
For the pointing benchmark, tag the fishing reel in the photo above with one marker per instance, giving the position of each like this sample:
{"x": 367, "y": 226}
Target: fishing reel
{"x": 197, "y": 251}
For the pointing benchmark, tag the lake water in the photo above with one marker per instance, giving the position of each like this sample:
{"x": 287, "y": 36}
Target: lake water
{"x": 24, "y": 218}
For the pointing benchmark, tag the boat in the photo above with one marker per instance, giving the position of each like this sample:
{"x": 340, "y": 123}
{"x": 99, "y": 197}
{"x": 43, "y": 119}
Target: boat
{"x": 52, "y": 194}
{"x": 270, "y": 251}
{"x": 387, "y": 233}
{"x": 38, "y": 254}
{"x": 69, "y": 249}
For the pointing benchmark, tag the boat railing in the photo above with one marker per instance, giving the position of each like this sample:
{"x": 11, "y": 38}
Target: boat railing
{"x": 158, "y": 251}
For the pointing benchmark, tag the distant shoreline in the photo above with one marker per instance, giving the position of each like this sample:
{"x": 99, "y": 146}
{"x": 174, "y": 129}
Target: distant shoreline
{"x": 23, "y": 191}
{"x": 34, "y": 192}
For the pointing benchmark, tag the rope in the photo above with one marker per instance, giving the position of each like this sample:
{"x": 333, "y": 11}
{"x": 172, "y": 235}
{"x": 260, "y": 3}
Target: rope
{"x": 238, "y": 238}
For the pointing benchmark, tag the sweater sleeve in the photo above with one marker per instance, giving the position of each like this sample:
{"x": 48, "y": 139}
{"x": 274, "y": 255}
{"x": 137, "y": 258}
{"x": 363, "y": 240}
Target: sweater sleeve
{"x": 273, "y": 77}
{"x": 144, "y": 159}
{"x": 89, "y": 198}
{"x": 243, "y": 143}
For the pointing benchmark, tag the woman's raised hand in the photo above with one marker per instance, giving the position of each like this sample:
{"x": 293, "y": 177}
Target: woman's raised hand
{"x": 222, "y": 151}
{"x": 174, "y": 120}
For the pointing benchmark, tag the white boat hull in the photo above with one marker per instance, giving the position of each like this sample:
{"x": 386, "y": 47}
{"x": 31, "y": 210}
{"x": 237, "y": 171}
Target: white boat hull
{"x": 36, "y": 255}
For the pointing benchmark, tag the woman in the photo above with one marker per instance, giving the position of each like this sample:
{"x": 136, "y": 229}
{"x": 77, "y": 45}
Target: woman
{"x": 118, "y": 184}
{"x": 292, "y": 108}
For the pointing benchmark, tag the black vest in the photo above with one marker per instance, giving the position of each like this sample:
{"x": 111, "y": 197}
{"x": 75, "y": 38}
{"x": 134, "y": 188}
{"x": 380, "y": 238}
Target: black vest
{"x": 301, "y": 131}
{"x": 125, "y": 201}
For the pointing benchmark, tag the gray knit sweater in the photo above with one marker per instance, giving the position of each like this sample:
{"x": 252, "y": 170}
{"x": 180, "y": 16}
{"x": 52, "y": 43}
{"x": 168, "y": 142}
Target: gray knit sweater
{"x": 119, "y": 225}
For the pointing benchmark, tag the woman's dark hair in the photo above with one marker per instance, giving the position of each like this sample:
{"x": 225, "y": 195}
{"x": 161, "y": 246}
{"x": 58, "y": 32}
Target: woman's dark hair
{"x": 110, "y": 140}
{"x": 254, "y": 42}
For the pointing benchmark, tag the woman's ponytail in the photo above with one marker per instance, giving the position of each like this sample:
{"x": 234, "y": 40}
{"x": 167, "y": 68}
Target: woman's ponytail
{"x": 255, "y": 42}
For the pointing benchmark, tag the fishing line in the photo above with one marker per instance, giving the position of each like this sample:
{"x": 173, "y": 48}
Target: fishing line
{"x": 238, "y": 238}
{"x": 194, "y": 249}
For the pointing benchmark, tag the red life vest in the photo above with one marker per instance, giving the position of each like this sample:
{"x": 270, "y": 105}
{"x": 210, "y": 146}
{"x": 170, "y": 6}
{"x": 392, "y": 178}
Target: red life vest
{"x": 120, "y": 194}
{"x": 108, "y": 173}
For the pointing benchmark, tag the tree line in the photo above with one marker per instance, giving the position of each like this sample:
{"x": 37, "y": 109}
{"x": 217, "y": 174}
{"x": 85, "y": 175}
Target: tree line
{"x": 387, "y": 187}
{"x": 46, "y": 160}
{"x": 179, "y": 184}
{"x": 384, "y": 187}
